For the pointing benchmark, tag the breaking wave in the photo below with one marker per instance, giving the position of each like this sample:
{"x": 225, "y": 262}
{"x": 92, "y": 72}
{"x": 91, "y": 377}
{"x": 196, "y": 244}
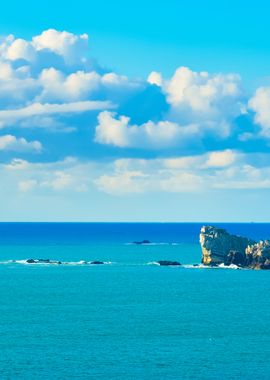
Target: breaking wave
{"x": 32, "y": 262}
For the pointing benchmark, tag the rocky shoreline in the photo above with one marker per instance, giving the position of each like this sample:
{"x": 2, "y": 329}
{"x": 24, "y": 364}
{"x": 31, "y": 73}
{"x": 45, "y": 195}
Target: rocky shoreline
{"x": 220, "y": 247}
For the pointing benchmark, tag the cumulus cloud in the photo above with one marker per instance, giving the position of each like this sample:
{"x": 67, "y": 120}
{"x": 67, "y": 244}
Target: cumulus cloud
{"x": 200, "y": 105}
{"x": 16, "y": 86}
{"x": 12, "y": 143}
{"x": 71, "y": 46}
{"x": 221, "y": 159}
{"x": 80, "y": 85}
{"x": 76, "y": 86}
{"x": 200, "y": 91}
{"x": 51, "y": 72}
{"x": 21, "y": 49}
{"x": 202, "y": 98}
{"x": 119, "y": 132}
{"x": 260, "y": 104}
{"x": 50, "y": 81}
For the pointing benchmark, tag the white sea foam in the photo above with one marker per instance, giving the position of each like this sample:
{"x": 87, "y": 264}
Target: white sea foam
{"x": 231, "y": 266}
{"x": 153, "y": 263}
{"x": 202, "y": 266}
{"x": 92, "y": 263}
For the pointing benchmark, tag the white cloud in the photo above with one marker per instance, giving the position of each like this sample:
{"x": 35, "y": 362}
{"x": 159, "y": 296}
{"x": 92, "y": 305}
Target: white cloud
{"x": 200, "y": 105}
{"x": 122, "y": 183}
{"x": 202, "y": 98}
{"x": 21, "y": 49}
{"x": 16, "y": 85}
{"x": 138, "y": 176}
{"x": 119, "y": 132}
{"x": 200, "y": 91}
{"x": 60, "y": 176}
{"x": 49, "y": 77}
{"x": 221, "y": 159}
{"x": 17, "y": 164}
{"x": 12, "y": 143}
{"x": 8, "y": 117}
{"x": 61, "y": 180}
{"x": 76, "y": 86}
{"x": 182, "y": 182}
{"x": 112, "y": 79}
{"x": 155, "y": 78}
{"x": 214, "y": 159}
{"x": 25, "y": 186}
{"x": 202, "y": 173}
{"x": 6, "y": 71}
{"x": 68, "y": 45}
{"x": 260, "y": 104}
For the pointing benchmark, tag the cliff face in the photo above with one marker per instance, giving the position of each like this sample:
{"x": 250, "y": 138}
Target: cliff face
{"x": 220, "y": 247}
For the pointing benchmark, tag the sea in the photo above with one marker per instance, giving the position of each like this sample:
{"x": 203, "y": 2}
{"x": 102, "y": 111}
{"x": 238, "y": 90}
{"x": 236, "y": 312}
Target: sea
{"x": 129, "y": 318}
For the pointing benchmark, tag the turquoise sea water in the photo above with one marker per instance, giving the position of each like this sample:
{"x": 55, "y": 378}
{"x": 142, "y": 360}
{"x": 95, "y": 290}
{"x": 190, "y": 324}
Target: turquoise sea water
{"x": 128, "y": 319}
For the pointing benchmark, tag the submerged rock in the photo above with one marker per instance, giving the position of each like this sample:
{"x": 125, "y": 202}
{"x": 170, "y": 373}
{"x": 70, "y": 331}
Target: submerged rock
{"x": 220, "y": 247}
{"x": 168, "y": 263}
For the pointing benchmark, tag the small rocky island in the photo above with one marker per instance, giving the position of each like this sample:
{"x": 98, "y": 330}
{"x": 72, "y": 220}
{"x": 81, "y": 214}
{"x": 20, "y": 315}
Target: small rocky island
{"x": 220, "y": 247}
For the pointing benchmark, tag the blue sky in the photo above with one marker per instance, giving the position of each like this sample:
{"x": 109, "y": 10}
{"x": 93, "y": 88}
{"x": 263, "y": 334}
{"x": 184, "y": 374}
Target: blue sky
{"x": 147, "y": 111}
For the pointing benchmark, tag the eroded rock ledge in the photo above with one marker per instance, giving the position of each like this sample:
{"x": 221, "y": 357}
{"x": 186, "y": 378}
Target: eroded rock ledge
{"x": 220, "y": 247}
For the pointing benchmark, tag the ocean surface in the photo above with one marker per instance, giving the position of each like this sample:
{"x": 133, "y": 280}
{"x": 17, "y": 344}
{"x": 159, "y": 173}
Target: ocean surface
{"x": 128, "y": 319}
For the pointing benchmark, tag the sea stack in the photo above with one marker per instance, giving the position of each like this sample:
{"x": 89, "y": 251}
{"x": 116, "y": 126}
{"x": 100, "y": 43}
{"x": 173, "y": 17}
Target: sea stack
{"x": 220, "y": 247}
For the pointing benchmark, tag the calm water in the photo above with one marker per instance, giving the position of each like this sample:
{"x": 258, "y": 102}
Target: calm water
{"x": 128, "y": 320}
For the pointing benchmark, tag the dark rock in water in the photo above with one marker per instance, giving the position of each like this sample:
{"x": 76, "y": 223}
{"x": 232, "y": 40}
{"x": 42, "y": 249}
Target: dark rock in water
{"x": 97, "y": 262}
{"x": 42, "y": 261}
{"x": 168, "y": 263}
{"x": 142, "y": 242}
{"x": 220, "y": 247}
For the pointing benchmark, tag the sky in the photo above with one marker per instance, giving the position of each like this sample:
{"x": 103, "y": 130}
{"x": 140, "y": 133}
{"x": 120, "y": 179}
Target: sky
{"x": 139, "y": 111}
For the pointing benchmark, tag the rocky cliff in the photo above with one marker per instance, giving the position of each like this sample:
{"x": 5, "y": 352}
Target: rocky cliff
{"x": 220, "y": 247}
{"x": 258, "y": 255}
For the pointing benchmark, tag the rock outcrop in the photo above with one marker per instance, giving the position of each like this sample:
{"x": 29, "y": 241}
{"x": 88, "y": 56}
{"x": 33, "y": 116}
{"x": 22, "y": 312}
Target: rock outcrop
{"x": 42, "y": 261}
{"x": 220, "y": 247}
{"x": 143, "y": 242}
{"x": 167, "y": 263}
{"x": 258, "y": 255}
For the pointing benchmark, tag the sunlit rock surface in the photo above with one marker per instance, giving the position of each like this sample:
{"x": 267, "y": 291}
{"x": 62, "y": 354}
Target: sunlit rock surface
{"x": 220, "y": 247}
